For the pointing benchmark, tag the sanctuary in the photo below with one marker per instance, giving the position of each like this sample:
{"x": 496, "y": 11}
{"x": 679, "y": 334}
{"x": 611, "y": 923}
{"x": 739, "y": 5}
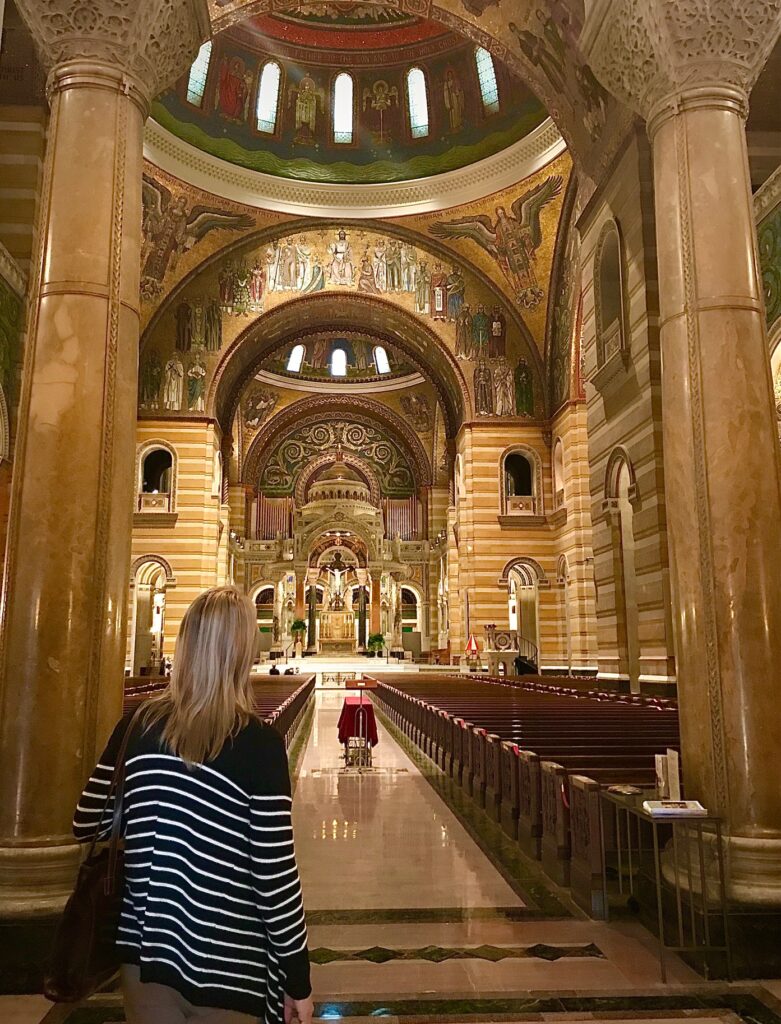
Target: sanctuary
{"x": 450, "y": 333}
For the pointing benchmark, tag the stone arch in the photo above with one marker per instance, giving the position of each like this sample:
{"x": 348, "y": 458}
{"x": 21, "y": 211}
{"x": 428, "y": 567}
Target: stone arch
{"x": 333, "y": 406}
{"x": 163, "y": 563}
{"x": 350, "y": 459}
{"x": 378, "y": 317}
{"x": 361, "y": 531}
{"x": 358, "y": 546}
{"x": 562, "y": 569}
{"x": 5, "y": 428}
{"x": 617, "y": 460}
{"x": 529, "y": 570}
{"x": 610, "y": 244}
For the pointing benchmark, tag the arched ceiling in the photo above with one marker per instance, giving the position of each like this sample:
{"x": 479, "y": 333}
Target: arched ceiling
{"x": 371, "y": 315}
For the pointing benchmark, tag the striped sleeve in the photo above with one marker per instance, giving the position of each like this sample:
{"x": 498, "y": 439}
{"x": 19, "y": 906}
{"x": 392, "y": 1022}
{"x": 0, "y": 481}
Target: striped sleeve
{"x": 90, "y": 808}
{"x": 275, "y": 876}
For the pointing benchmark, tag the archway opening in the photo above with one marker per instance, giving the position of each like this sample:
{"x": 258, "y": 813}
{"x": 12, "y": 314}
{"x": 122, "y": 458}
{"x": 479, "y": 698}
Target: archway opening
{"x": 148, "y": 617}
{"x": 628, "y": 587}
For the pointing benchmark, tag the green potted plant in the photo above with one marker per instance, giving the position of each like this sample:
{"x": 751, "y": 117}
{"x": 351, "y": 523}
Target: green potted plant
{"x": 298, "y": 629}
{"x": 375, "y": 644}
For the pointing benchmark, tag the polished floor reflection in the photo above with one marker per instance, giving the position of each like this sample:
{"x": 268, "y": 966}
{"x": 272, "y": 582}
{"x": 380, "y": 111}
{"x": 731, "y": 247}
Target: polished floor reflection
{"x": 382, "y": 839}
{"x": 404, "y": 904}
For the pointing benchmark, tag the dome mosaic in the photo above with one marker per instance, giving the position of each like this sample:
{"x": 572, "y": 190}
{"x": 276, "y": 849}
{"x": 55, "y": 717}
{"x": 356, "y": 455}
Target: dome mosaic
{"x": 341, "y": 95}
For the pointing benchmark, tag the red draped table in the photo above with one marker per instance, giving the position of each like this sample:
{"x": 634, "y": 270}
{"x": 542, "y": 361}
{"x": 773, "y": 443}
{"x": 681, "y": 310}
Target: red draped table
{"x": 348, "y": 720}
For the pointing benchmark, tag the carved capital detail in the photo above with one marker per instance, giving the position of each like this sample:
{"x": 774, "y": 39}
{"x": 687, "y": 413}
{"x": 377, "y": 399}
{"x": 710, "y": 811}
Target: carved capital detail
{"x": 651, "y": 52}
{"x": 152, "y": 41}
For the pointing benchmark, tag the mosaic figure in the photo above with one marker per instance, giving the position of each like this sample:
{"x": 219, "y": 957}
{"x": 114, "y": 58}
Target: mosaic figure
{"x": 512, "y": 239}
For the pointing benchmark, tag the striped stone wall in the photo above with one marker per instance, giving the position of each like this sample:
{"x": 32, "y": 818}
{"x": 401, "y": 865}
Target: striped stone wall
{"x": 193, "y": 539}
{"x": 625, "y": 413}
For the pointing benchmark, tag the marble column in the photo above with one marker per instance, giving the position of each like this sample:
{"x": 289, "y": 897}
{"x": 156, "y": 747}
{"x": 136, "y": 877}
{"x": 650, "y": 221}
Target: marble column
{"x": 721, "y": 459}
{"x": 66, "y": 574}
{"x": 722, "y": 476}
{"x": 376, "y": 625}
{"x": 300, "y": 580}
{"x": 311, "y": 647}
{"x": 362, "y": 619}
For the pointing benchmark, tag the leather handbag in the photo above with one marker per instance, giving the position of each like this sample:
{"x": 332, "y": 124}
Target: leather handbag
{"x": 84, "y": 956}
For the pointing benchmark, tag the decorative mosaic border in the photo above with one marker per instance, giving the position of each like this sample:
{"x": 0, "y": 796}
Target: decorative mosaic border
{"x": 750, "y": 1005}
{"x": 439, "y": 954}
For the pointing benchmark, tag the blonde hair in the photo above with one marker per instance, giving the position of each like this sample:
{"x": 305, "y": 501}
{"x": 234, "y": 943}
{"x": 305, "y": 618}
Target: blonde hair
{"x": 209, "y": 699}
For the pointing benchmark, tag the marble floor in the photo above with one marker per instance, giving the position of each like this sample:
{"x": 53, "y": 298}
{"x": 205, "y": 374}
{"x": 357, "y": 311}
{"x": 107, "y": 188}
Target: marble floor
{"x": 409, "y": 917}
{"x": 390, "y": 872}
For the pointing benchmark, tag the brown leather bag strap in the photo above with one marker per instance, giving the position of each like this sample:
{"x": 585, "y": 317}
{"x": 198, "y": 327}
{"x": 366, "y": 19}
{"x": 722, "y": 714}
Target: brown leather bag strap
{"x": 117, "y": 787}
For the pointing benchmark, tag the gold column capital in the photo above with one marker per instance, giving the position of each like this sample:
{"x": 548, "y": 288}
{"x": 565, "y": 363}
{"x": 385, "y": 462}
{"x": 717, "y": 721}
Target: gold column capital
{"x": 149, "y": 42}
{"x": 658, "y": 55}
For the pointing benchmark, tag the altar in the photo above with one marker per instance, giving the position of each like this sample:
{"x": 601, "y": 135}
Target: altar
{"x": 337, "y": 632}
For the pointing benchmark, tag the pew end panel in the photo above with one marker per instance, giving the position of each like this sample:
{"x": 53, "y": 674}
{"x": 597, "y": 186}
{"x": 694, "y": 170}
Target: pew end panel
{"x": 555, "y": 845}
{"x": 509, "y": 808}
{"x": 587, "y": 866}
{"x": 529, "y": 804}
{"x": 492, "y": 793}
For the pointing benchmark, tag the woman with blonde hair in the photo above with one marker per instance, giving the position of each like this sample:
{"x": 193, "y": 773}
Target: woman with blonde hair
{"x": 212, "y": 925}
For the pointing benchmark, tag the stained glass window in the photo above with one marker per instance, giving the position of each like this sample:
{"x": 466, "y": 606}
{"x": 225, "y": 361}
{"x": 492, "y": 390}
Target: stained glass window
{"x": 381, "y": 360}
{"x": 196, "y": 83}
{"x": 486, "y": 74}
{"x": 295, "y": 359}
{"x": 268, "y": 98}
{"x": 338, "y": 363}
{"x": 417, "y": 102}
{"x": 343, "y": 108}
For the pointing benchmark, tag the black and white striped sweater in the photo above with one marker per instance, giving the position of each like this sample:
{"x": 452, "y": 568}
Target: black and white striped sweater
{"x": 212, "y": 904}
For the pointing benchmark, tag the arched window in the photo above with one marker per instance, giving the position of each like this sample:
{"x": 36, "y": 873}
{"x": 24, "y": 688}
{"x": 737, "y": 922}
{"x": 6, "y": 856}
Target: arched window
{"x": 381, "y": 360}
{"x": 609, "y": 294}
{"x": 517, "y": 476}
{"x": 295, "y": 359}
{"x": 268, "y": 98}
{"x": 264, "y": 608}
{"x": 156, "y": 472}
{"x": 417, "y": 103}
{"x": 343, "y": 108}
{"x": 521, "y": 482}
{"x": 196, "y": 83}
{"x": 217, "y": 475}
{"x": 409, "y": 610}
{"x": 338, "y": 363}
{"x": 486, "y": 74}
{"x": 558, "y": 473}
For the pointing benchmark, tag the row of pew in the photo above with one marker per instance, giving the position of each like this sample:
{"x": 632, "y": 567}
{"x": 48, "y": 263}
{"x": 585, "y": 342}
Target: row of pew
{"x": 281, "y": 701}
{"x": 536, "y": 755}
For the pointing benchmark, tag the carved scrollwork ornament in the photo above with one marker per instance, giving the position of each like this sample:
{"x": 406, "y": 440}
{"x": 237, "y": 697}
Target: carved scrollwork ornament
{"x": 650, "y": 53}
{"x": 151, "y": 41}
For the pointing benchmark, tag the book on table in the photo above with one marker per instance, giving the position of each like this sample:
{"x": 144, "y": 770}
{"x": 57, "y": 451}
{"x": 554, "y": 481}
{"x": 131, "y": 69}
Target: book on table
{"x": 675, "y": 808}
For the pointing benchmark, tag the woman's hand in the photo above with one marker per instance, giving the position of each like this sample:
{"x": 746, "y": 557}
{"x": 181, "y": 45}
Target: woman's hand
{"x": 300, "y": 1009}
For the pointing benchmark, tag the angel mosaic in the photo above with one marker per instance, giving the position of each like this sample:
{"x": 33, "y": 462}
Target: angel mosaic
{"x": 171, "y": 226}
{"x": 258, "y": 406}
{"x": 513, "y": 239}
